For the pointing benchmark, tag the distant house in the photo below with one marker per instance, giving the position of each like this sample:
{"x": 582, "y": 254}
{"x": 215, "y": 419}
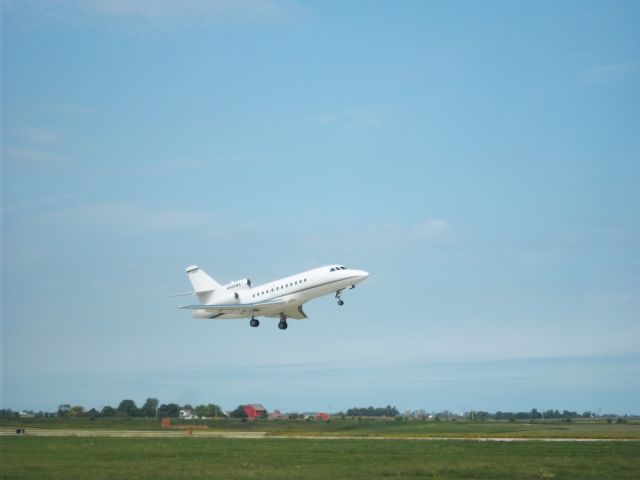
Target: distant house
{"x": 255, "y": 410}
{"x": 322, "y": 416}
{"x": 187, "y": 415}
{"x": 276, "y": 415}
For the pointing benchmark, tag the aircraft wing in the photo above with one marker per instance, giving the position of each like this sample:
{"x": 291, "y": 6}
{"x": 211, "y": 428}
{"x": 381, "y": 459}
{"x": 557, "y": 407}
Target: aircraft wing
{"x": 249, "y": 308}
{"x": 293, "y": 310}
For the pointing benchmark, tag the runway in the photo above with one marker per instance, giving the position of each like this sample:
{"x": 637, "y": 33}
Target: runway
{"x": 201, "y": 433}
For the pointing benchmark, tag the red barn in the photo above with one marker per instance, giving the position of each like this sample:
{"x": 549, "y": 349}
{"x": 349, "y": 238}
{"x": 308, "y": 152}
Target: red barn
{"x": 255, "y": 410}
{"x": 322, "y": 416}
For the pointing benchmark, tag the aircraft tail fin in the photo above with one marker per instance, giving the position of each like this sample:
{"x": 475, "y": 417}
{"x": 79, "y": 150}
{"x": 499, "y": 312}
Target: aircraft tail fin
{"x": 203, "y": 284}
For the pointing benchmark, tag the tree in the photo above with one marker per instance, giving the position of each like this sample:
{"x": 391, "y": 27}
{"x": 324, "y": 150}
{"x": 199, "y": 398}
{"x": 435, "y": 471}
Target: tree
{"x": 170, "y": 410}
{"x": 107, "y": 411}
{"x": 149, "y": 408}
{"x": 239, "y": 412}
{"x": 387, "y": 411}
{"x": 128, "y": 408}
{"x": 209, "y": 410}
{"x": 75, "y": 411}
{"x": 63, "y": 409}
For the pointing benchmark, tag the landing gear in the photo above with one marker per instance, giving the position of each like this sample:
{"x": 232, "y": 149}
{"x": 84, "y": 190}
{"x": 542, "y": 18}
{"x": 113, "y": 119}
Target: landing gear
{"x": 254, "y": 322}
{"x": 282, "y": 325}
{"x": 338, "y": 295}
{"x": 340, "y": 302}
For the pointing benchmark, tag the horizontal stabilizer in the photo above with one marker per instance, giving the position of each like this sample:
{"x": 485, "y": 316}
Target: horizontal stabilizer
{"x": 181, "y": 294}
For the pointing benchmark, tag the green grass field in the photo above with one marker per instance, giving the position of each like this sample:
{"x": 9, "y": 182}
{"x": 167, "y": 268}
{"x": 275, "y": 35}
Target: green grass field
{"x": 25, "y": 457}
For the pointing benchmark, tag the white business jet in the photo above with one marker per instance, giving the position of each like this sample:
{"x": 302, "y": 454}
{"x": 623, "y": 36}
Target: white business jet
{"x": 281, "y": 299}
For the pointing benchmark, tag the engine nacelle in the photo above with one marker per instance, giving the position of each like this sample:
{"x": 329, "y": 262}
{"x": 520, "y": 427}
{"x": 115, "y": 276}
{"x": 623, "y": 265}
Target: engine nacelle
{"x": 243, "y": 284}
{"x": 227, "y": 298}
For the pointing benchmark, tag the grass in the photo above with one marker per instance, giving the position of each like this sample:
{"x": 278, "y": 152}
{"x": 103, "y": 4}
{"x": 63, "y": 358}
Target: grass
{"x": 25, "y": 457}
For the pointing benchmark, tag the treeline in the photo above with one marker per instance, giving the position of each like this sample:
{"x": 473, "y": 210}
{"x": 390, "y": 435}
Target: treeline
{"x": 387, "y": 411}
{"x": 533, "y": 414}
{"x": 126, "y": 408}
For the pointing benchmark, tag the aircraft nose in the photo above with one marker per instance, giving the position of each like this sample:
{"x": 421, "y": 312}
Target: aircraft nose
{"x": 362, "y": 275}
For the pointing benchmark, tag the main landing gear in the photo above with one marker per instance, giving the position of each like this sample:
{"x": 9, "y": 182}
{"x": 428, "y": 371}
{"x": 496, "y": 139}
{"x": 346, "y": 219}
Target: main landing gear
{"x": 282, "y": 325}
{"x": 254, "y": 322}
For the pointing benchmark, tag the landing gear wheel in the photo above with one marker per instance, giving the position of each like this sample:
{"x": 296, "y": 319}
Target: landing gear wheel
{"x": 254, "y": 322}
{"x": 340, "y": 302}
{"x": 282, "y": 325}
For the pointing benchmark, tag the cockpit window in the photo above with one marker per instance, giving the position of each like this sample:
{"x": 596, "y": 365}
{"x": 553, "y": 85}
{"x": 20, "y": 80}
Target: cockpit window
{"x": 333, "y": 269}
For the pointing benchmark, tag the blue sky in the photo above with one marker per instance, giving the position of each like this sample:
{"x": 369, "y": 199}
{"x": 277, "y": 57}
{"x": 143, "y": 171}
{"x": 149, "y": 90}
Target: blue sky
{"x": 479, "y": 159}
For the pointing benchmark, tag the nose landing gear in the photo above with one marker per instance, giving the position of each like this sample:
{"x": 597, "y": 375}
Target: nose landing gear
{"x": 338, "y": 296}
{"x": 254, "y": 322}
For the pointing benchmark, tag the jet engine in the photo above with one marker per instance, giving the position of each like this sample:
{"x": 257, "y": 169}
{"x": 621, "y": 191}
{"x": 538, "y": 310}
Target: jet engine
{"x": 239, "y": 284}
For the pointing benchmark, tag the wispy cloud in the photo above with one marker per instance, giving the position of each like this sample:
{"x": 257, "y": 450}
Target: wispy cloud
{"x": 158, "y": 12}
{"x": 349, "y": 118}
{"x": 364, "y": 116}
{"x": 38, "y": 135}
{"x": 67, "y": 109}
{"x": 180, "y": 164}
{"x": 609, "y": 72}
{"x": 124, "y": 216}
{"x": 35, "y": 145}
{"x": 432, "y": 229}
{"x": 34, "y": 156}
{"x": 322, "y": 118}
{"x": 384, "y": 235}
{"x": 174, "y": 165}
